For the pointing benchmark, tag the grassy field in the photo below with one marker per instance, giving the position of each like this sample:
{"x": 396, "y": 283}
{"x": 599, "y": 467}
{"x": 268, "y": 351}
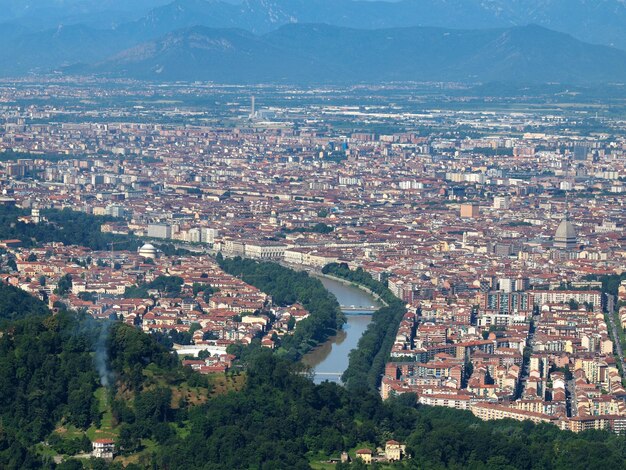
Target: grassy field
{"x": 225, "y": 383}
{"x": 69, "y": 431}
{"x": 322, "y": 466}
{"x": 45, "y": 450}
{"x": 106, "y": 429}
{"x": 149, "y": 446}
{"x": 319, "y": 460}
{"x": 181, "y": 391}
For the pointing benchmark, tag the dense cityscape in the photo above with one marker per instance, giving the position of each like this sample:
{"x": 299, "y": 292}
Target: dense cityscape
{"x": 495, "y": 225}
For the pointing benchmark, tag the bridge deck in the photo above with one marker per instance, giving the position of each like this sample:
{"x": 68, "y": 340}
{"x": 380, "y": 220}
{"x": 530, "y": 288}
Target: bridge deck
{"x": 353, "y": 308}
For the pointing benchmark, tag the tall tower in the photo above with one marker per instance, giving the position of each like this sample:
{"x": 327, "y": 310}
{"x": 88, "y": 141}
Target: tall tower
{"x": 565, "y": 237}
{"x": 252, "y": 110}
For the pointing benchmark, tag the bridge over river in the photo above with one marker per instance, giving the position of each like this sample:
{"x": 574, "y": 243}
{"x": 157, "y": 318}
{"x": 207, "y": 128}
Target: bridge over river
{"x": 348, "y": 309}
{"x": 330, "y": 359}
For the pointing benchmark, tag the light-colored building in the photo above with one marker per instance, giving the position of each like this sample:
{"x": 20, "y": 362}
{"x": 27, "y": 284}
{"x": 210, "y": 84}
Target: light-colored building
{"x": 148, "y": 251}
{"x": 365, "y": 455}
{"x": 159, "y": 231}
{"x": 501, "y": 202}
{"x": 456, "y": 401}
{"x": 594, "y": 297}
{"x": 394, "y": 451}
{"x": 208, "y": 235}
{"x": 265, "y": 251}
{"x": 103, "y": 449}
{"x": 488, "y": 411}
{"x": 565, "y": 237}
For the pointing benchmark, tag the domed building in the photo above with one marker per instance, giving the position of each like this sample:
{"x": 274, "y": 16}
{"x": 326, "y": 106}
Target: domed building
{"x": 565, "y": 237}
{"x": 148, "y": 251}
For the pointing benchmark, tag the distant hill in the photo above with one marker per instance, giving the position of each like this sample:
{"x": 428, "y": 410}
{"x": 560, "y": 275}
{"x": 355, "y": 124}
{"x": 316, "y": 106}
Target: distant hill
{"x": 320, "y": 53}
{"x": 41, "y": 51}
{"x": 598, "y": 21}
{"x": 43, "y": 14}
{"x": 595, "y": 21}
{"x": 155, "y": 38}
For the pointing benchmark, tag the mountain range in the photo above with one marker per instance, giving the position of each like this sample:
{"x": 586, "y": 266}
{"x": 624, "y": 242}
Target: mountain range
{"x": 318, "y": 40}
{"x": 595, "y": 21}
{"x": 315, "y": 53}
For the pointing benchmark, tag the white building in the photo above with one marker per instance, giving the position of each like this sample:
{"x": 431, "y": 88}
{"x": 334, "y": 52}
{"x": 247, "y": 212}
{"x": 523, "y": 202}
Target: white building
{"x": 208, "y": 235}
{"x": 159, "y": 231}
{"x": 103, "y": 449}
{"x": 265, "y": 251}
{"x": 501, "y": 202}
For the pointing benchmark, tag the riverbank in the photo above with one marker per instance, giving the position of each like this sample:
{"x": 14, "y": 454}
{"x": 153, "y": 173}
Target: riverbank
{"x": 319, "y": 273}
{"x": 287, "y": 287}
{"x": 351, "y": 284}
{"x": 329, "y": 360}
{"x": 365, "y": 368}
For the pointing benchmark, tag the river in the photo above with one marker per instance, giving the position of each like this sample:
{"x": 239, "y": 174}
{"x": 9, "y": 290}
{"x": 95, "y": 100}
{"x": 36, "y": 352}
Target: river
{"x": 330, "y": 359}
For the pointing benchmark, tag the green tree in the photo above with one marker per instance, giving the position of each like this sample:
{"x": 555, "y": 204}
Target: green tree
{"x": 88, "y": 296}
{"x": 64, "y": 286}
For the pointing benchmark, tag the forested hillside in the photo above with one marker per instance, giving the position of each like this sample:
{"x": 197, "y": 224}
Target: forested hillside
{"x": 67, "y": 379}
{"x": 15, "y": 303}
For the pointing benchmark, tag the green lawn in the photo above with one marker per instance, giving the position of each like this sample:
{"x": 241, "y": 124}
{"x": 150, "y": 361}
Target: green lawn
{"x": 106, "y": 429}
{"x": 322, "y": 466}
{"x": 318, "y": 461}
{"x": 70, "y": 432}
{"x": 149, "y": 446}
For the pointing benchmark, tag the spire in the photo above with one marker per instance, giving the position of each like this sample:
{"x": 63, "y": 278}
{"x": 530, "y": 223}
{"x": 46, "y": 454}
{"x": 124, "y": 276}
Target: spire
{"x": 565, "y": 237}
{"x": 566, "y": 214}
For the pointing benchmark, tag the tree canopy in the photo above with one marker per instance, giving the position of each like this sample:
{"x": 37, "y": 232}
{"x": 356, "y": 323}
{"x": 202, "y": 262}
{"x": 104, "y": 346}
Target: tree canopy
{"x": 15, "y": 303}
{"x": 287, "y": 287}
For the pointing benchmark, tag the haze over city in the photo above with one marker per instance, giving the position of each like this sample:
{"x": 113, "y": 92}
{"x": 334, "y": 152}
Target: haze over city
{"x": 312, "y": 234}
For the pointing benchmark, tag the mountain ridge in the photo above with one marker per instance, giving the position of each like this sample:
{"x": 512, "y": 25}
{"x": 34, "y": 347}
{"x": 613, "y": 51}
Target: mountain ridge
{"x": 317, "y": 53}
{"x": 598, "y": 21}
{"x": 283, "y": 49}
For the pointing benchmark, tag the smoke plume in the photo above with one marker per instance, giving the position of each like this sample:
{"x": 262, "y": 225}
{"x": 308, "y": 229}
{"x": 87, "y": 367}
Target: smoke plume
{"x": 101, "y": 357}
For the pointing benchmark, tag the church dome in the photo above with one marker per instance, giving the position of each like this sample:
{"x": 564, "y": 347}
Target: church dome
{"x": 148, "y": 251}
